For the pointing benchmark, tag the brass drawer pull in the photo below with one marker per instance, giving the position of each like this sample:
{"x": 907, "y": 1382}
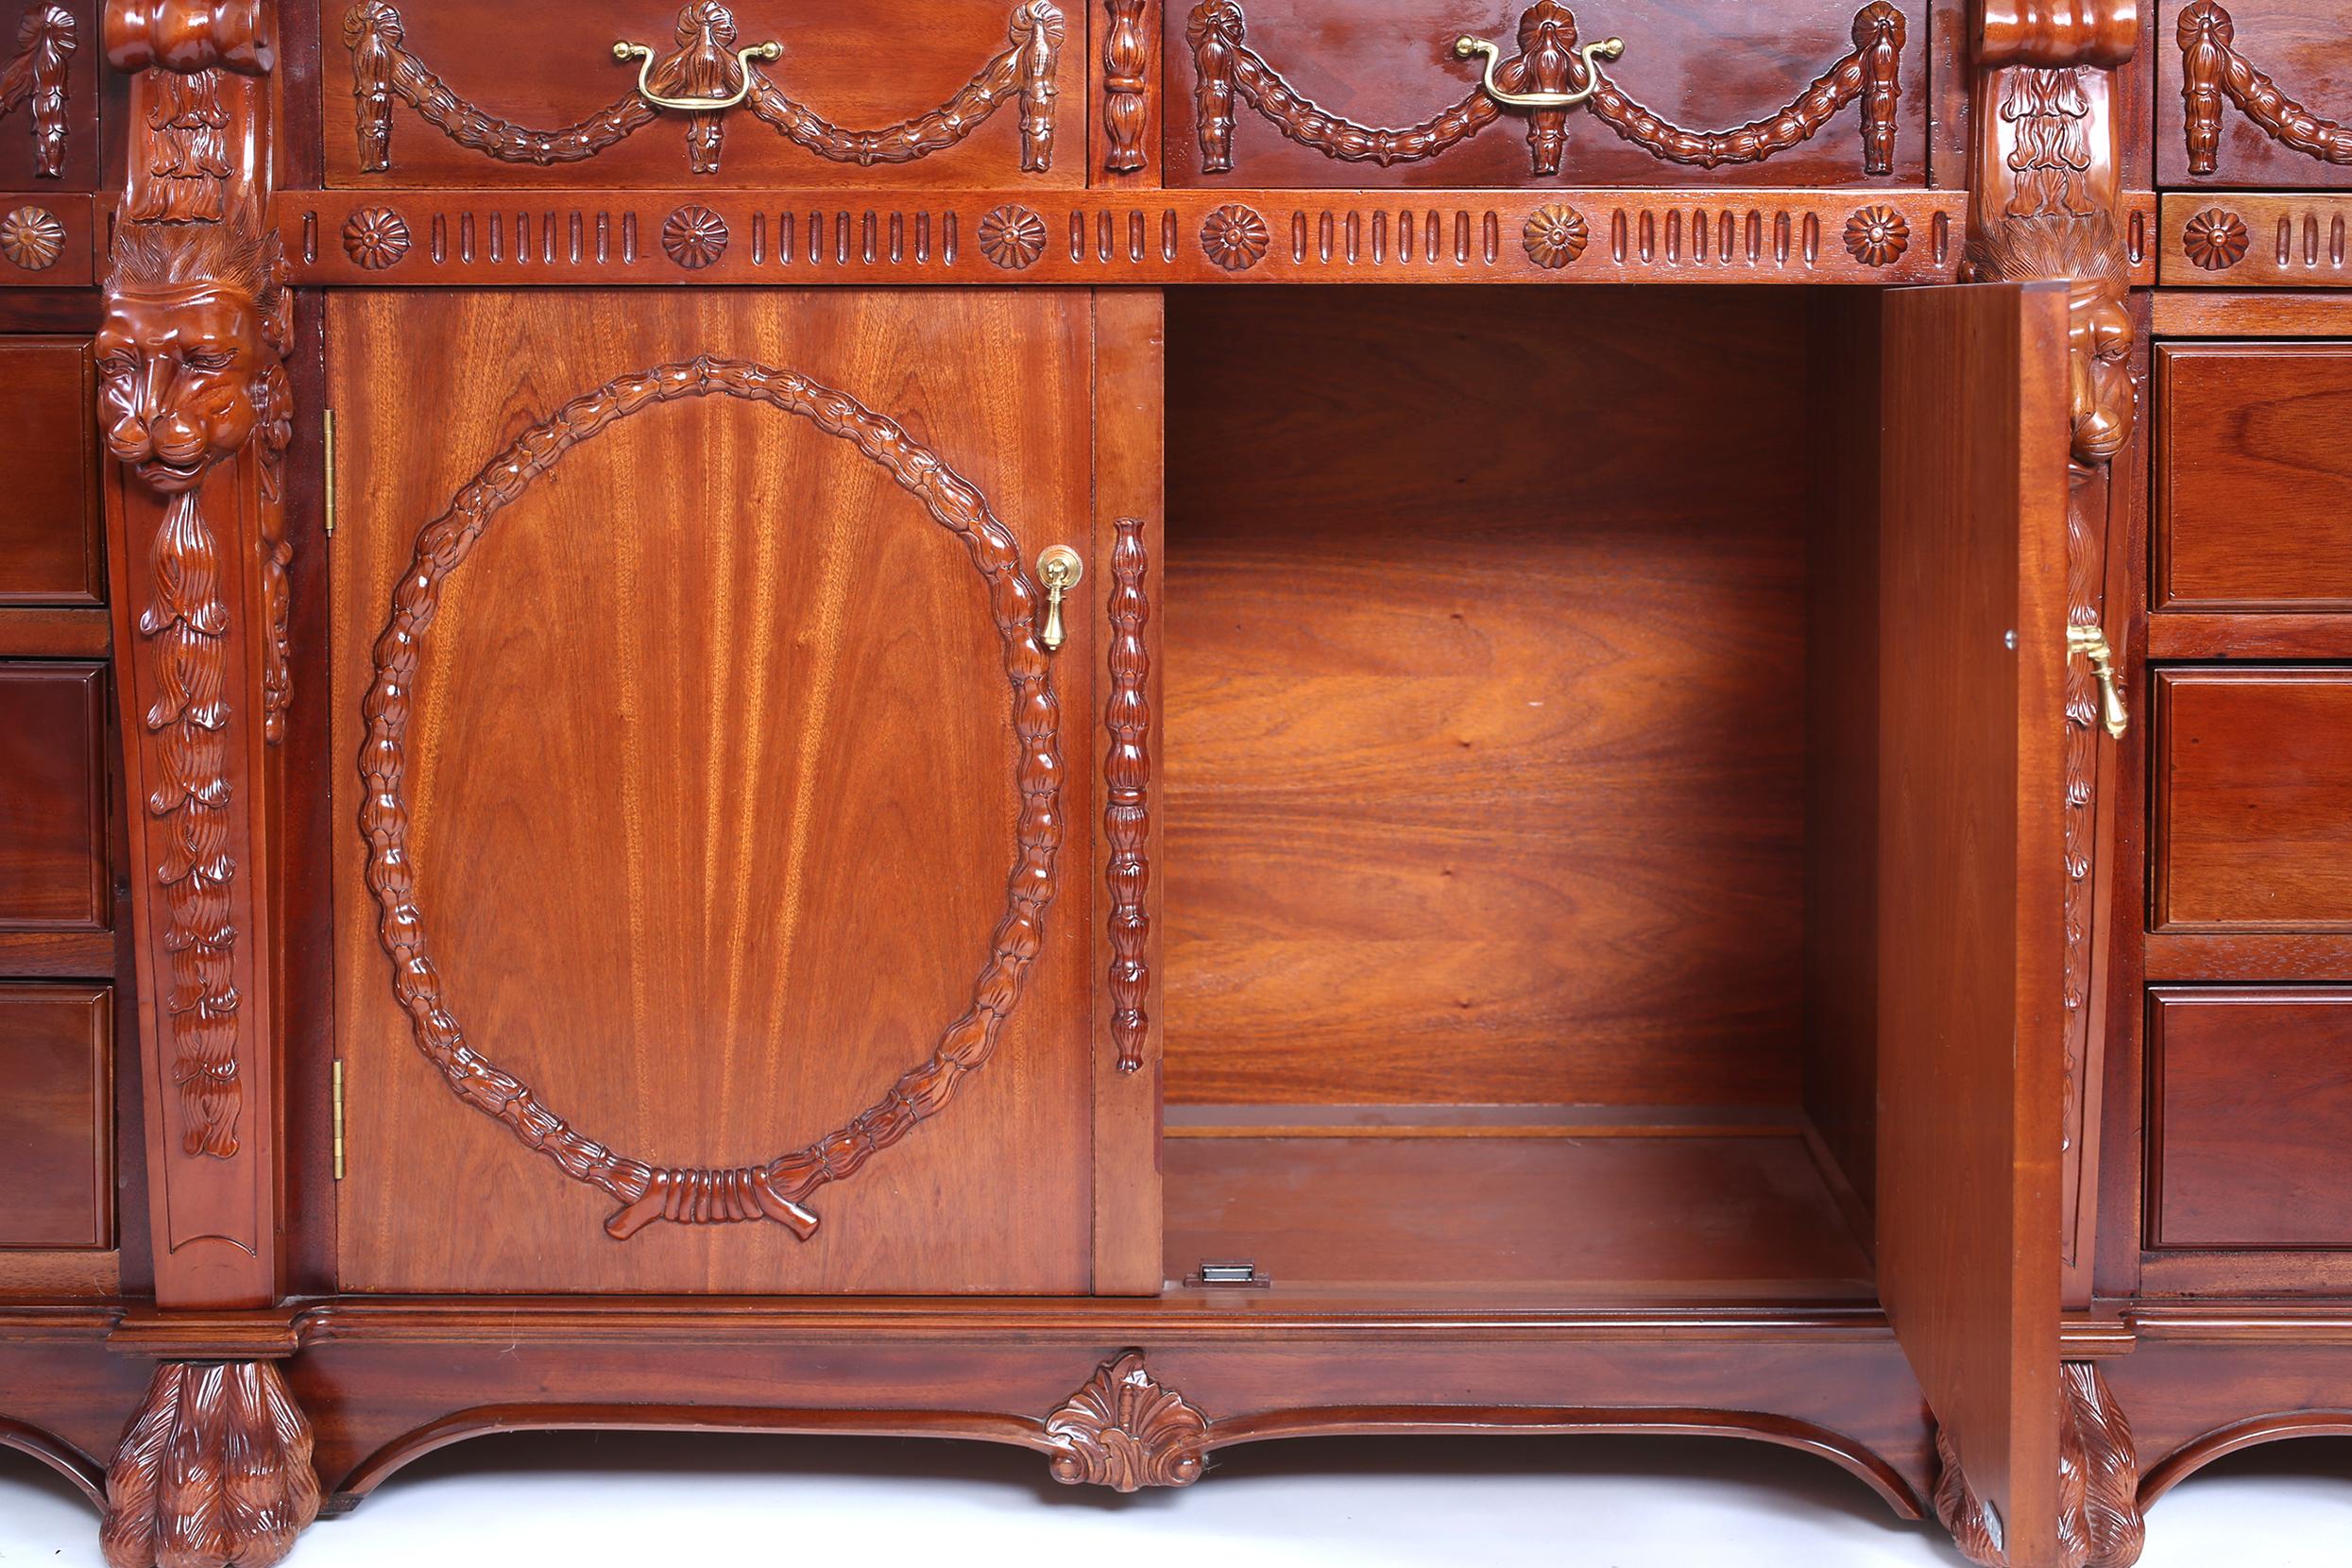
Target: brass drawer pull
{"x": 644, "y": 54}
{"x": 1608, "y": 48}
{"x": 1059, "y": 567}
{"x": 2091, "y": 643}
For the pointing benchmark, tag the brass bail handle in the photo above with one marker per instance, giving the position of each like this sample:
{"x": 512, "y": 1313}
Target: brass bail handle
{"x": 1059, "y": 567}
{"x": 644, "y": 54}
{"x": 2090, "y": 642}
{"x": 1608, "y": 48}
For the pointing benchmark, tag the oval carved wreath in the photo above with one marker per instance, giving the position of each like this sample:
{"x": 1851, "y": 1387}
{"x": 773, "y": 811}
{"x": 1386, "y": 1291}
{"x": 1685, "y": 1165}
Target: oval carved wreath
{"x": 688, "y": 1195}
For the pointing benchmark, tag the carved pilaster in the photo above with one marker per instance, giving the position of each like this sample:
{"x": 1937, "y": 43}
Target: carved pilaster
{"x": 192, "y": 403}
{"x": 2098, "y": 1520}
{"x": 1127, "y": 797}
{"x": 214, "y": 1471}
{"x": 1125, "y": 1431}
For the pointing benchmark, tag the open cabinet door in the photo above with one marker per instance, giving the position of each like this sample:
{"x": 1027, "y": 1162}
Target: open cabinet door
{"x": 1973, "y": 646}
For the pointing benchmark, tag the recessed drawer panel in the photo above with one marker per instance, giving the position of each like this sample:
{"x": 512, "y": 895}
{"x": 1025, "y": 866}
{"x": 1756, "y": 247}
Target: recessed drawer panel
{"x": 56, "y": 1119}
{"x": 956, "y": 93}
{"x": 53, "y": 797}
{"x": 2252, "y": 1118}
{"x": 2253, "y": 795}
{"x": 48, "y": 523}
{"x": 2255, "y": 489}
{"x": 1404, "y": 92}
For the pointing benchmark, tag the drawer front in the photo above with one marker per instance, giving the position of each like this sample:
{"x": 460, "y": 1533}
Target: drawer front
{"x": 2255, "y": 486}
{"x": 56, "y": 1141}
{"x": 2253, "y": 91}
{"x": 1304, "y": 93}
{"x": 53, "y": 874}
{"x": 2252, "y": 793}
{"x": 49, "y": 527}
{"x": 958, "y": 93}
{"x": 2251, "y": 1117}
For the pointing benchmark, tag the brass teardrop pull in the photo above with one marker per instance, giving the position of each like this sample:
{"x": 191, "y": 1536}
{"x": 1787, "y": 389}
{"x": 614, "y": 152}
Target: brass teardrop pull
{"x": 1059, "y": 567}
{"x": 2091, "y": 643}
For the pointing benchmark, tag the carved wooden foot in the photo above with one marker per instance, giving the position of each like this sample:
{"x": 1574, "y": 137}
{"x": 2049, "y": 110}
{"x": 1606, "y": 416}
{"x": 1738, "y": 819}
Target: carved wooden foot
{"x": 213, "y": 1472}
{"x": 2098, "y": 1520}
{"x": 1124, "y": 1430}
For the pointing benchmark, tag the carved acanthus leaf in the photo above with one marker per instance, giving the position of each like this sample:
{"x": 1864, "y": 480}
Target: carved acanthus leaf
{"x": 1125, "y": 1431}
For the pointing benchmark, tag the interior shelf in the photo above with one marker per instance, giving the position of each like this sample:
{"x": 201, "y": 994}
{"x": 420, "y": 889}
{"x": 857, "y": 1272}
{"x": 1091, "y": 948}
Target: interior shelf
{"x": 1561, "y": 1205}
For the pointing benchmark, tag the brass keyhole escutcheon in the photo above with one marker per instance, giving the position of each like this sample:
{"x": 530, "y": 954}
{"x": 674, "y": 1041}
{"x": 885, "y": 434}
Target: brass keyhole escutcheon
{"x": 1059, "y": 567}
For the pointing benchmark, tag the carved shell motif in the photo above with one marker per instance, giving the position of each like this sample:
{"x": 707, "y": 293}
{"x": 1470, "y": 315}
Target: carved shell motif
{"x": 1877, "y": 236}
{"x": 1235, "y": 237}
{"x": 375, "y": 237}
{"x": 1123, "y": 1430}
{"x": 1556, "y": 235}
{"x": 32, "y": 238}
{"x": 1011, "y": 236}
{"x": 2215, "y": 239}
{"x": 694, "y": 236}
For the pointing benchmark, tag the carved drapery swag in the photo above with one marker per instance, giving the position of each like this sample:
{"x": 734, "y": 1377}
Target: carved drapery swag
{"x": 1227, "y": 69}
{"x": 703, "y": 64}
{"x": 34, "y": 79}
{"x": 772, "y": 1192}
{"x": 2213, "y": 70}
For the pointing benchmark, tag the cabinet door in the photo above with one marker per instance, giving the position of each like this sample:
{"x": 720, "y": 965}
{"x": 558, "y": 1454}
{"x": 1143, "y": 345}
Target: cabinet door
{"x": 712, "y": 817}
{"x": 1972, "y": 947}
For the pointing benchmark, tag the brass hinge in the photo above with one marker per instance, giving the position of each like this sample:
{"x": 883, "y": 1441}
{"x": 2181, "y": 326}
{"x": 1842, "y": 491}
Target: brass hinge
{"x": 2091, "y": 643}
{"x": 338, "y": 1120}
{"x": 329, "y": 460}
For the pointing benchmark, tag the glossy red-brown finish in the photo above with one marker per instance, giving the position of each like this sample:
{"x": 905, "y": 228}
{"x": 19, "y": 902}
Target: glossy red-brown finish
{"x": 56, "y": 1120}
{"x": 53, "y": 845}
{"x": 49, "y": 530}
{"x": 2252, "y": 800}
{"x": 2252, "y": 93}
{"x": 1409, "y": 111}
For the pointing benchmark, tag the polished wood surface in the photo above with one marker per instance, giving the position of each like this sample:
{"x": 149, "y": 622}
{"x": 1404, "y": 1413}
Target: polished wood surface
{"x": 56, "y": 1121}
{"x": 538, "y": 100}
{"x": 1566, "y": 716}
{"x": 53, "y": 834}
{"x": 2250, "y": 787}
{"x": 2253, "y": 478}
{"x": 49, "y": 529}
{"x": 1393, "y": 66}
{"x": 571, "y": 834}
{"x": 2294, "y": 67}
{"x": 2250, "y": 1104}
{"x": 1720, "y": 1215}
{"x": 1970, "y": 947}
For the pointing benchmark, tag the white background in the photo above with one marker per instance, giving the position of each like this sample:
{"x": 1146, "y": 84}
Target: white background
{"x": 653, "y": 1501}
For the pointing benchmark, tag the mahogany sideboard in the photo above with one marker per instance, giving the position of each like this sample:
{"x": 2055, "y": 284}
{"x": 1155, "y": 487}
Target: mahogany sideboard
{"x": 707, "y": 721}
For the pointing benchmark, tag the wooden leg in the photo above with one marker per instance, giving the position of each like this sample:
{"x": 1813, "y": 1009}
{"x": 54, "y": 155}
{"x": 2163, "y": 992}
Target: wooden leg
{"x": 1124, "y": 1430}
{"x": 2098, "y": 1520}
{"x": 213, "y": 1472}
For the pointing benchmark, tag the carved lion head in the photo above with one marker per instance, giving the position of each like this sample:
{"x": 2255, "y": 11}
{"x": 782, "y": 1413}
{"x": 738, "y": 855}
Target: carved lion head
{"x": 187, "y": 347}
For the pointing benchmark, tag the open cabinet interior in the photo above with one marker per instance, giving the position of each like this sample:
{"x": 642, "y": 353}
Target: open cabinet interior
{"x": 1521, "y": 750}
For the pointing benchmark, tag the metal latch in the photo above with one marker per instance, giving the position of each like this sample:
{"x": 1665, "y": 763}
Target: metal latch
{"x": 1229, "y": 1274}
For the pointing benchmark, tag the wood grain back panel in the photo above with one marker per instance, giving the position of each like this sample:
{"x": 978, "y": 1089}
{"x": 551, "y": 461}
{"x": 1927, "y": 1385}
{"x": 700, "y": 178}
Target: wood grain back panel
{"x": 1484, "y": 743}
{"x": 2252, "y": 798}
{"x": 2254, "y": 479}
{"x": 712, "y": 789}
